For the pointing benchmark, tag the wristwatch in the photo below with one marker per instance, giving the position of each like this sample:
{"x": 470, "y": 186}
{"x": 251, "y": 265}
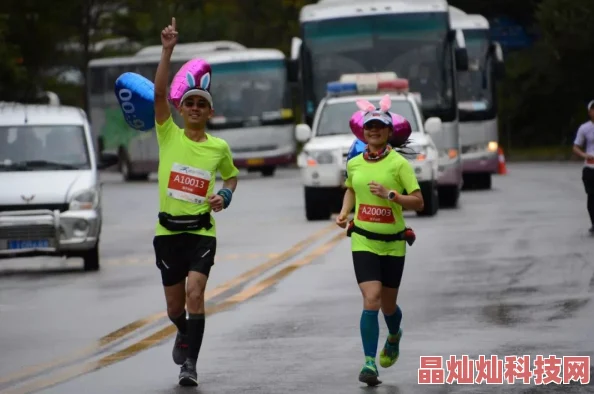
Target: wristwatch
{"x": 391, "y": 195}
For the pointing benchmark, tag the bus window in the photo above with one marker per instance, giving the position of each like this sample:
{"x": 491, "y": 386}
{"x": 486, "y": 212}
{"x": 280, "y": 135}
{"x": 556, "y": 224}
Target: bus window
{"x": 147, "y": 70}
{"x": 111, "y": 74}
{"x": 96, "y": 85}
{"x": 96, "y": 80}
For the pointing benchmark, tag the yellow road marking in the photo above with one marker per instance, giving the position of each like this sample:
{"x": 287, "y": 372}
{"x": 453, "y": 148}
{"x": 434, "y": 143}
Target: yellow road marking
{"x": 248, "y": 275}
{"x": 170, "y": 330}
{"x": 120, "y": 333}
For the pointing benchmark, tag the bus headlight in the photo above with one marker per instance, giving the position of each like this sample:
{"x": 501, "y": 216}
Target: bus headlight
{"x": 491, "y": 147}
{"x": 448, "y": 153}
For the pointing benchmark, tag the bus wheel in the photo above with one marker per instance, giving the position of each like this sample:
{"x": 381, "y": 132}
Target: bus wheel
{"x": 127, "y": 171}
{"x": 477, "y": 181}
{"x": 484, "y": 181}
{"x": 268, "y": 171}
{"x": 316, "y": 206}
{"x": 448, "y": 196}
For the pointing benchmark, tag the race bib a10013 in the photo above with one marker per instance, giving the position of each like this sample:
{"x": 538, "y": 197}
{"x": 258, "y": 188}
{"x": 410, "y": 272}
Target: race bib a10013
{"x": 375, "y": 214}
{"x": 188, "y": 183}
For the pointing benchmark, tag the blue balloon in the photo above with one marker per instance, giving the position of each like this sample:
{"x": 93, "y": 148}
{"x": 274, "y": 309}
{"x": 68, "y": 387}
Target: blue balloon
{"x": 356, "y": 149}
{"x": 136, "y": 96}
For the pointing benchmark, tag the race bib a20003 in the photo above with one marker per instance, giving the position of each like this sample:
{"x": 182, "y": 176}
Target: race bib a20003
{"x": 375, "y": 214}
{"x": 188, "y": 183}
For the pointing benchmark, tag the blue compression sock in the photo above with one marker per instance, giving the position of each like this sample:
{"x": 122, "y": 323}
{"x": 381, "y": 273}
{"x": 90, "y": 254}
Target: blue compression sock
{"x": 393, "y": 321}
{"x": 369, "y": 332}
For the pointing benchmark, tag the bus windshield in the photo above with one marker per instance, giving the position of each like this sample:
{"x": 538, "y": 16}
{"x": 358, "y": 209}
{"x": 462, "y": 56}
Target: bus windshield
{"x": 249, "y": 89}
{"x": 413, "y": 45}
{"x": 475, "y": 88}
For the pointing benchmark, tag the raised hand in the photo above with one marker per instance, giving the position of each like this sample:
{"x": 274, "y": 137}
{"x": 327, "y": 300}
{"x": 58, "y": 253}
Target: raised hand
{"x": 169, "y": 35}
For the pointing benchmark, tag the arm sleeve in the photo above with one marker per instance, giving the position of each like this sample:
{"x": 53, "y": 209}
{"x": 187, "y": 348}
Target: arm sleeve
{"x": 580, "y": 137}
{"x": 226, "y": 166}
{"x": 408, "y": 178}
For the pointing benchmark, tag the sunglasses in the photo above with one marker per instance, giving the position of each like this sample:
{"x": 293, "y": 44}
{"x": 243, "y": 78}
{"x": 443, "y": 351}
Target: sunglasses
{"x": 197, "y": 104}
{"x": 375, "y": 125}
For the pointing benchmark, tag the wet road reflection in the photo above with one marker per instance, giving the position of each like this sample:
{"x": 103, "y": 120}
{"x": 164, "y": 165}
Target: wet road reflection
{"x": 510, "y": 272}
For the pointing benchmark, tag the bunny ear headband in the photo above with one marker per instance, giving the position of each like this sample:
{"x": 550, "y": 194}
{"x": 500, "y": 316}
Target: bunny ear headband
{"x": 385, "y": 104}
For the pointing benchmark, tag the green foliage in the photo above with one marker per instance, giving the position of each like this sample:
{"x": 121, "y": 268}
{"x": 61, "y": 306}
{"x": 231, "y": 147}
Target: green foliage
{"x": 12, "y": 73}
{"x": 542, "y": 99}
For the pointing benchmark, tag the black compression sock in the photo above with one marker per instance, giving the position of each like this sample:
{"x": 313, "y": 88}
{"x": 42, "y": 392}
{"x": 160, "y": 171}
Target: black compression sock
{"x": 591, "y": 207}
{"x": 180, "y": 322}
{"x": 195, "y": 334}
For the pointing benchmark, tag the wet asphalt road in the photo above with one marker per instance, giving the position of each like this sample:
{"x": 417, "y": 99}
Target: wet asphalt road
{"x": 510, "y": 272}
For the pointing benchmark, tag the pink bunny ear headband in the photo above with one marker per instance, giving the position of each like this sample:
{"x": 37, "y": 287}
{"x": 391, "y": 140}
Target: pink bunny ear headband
{"x": 385, "y": 104}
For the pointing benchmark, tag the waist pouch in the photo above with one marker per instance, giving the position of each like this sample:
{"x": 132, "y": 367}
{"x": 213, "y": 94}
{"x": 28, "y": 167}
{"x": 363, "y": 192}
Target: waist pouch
{"x": 407, "y": 234}
{"x": 185, "y": 222}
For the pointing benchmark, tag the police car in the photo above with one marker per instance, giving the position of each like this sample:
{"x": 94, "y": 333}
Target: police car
{"x": 324, "y": 155}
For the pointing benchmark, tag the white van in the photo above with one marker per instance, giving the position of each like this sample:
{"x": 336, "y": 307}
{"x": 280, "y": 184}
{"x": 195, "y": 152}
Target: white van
{"x": 50, "y": 197}
{"x": 326, "y": 145}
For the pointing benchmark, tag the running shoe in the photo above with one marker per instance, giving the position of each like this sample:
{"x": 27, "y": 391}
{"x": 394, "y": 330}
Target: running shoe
{"x": 391, "y": 351}
{"x": 369, "y": 374}
{"x": 187, "y": 374}
{"x": 180, "y": 349}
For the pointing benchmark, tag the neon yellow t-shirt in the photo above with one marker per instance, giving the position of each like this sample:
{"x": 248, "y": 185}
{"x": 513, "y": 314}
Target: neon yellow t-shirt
{"x": 376, "y": 214}
{"x": 187, "y": 173}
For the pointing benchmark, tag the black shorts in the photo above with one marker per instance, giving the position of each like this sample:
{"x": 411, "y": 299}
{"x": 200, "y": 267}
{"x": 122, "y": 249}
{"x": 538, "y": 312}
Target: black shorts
{"x": 372, "y": 267}
{"x": 588, "y": 179}
{"x": 178, "y": 254}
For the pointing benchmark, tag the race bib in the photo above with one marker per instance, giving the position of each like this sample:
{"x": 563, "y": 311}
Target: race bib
{"x": 188, "y": 183}
{"x": 589, "y": 161}
{"x": 375, "y": 214}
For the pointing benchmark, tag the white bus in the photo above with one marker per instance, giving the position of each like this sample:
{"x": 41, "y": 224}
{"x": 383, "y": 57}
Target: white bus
{"x": 253, "y": 110}
{"x": 477, "y": 100}
{"x": 412, "y": 38}
{"x": 192, "y": 48}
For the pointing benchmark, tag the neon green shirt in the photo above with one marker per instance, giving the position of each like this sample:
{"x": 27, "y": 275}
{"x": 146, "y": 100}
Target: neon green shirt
{"x": 376, "y": 214}
{"x": 187, "y": 173}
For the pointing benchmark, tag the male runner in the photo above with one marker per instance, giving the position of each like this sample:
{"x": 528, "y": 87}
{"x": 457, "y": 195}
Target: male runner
{"x": 185, "y": 240}
{"x": 585, "y": 136}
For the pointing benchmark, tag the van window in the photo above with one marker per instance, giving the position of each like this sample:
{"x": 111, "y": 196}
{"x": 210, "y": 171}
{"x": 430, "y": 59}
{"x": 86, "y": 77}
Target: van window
{"x": 61, "y": 146}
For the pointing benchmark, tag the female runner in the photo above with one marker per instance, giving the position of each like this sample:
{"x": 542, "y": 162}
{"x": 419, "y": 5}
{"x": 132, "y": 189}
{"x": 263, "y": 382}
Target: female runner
{"x": 375, "y": 183}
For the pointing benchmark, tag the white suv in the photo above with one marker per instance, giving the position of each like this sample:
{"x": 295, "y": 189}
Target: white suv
{"x": 324, "y": 155}
{"x": 50, "y": 202}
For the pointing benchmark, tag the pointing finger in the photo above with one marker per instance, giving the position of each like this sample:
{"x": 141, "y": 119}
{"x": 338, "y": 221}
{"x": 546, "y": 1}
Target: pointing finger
{"x": 173, "y": 22}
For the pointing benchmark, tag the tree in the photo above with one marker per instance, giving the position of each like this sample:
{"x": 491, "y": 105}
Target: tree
{"x": 547, "y": 87}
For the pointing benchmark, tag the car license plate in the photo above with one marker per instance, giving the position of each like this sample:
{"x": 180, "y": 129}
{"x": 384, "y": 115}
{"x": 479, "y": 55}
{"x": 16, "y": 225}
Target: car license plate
{"x": 255, "y": 162}
{"x": 39, "y": 243}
